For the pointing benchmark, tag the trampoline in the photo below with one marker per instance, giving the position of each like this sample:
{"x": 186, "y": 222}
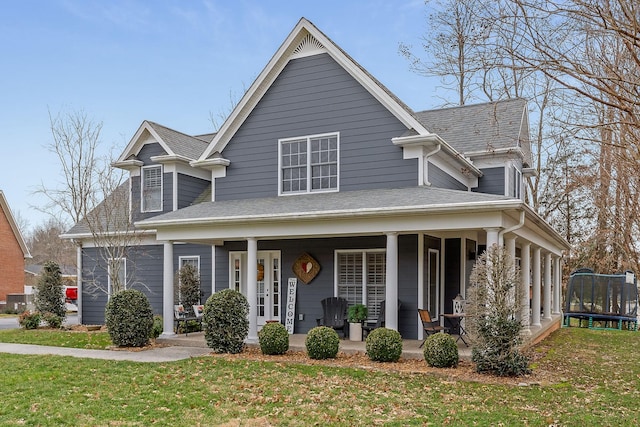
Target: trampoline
{"x": 602, "y": 300}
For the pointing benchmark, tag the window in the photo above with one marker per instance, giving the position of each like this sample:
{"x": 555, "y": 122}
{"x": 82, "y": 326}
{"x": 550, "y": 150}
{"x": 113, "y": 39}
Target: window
{"x": 152, "y": 188}
{"x": 517, "y": 183}
{"x": 189, "y": 260}
{"x": 116, "y": 275}
{"x": 361, "y": 278}
{"x": 308, "y": 164}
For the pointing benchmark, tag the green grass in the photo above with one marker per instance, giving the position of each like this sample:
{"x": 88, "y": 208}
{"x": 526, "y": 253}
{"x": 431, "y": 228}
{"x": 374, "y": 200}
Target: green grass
{"x": 90, "y": 340}
{"x": 595, "y": 380}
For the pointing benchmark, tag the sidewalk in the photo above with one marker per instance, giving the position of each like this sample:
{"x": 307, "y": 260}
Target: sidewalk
{"x": 161, "y": 354}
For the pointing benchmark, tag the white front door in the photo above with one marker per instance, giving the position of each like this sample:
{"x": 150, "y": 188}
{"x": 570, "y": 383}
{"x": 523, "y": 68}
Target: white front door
{"x": 269, "y": 284}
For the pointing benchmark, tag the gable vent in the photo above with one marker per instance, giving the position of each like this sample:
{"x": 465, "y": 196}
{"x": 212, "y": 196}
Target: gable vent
{"x": 307, "y": 47}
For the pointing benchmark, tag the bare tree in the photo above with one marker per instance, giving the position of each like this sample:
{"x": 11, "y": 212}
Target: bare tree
{"x": 92, "y": 194}
{"x": 45, "y": 244}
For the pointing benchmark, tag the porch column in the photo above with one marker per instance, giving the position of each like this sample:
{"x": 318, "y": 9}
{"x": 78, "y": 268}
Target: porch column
{"x": 391, "y": 288}
{"x": 79, "y": 280}
{"x": 547, "y": 286}
{"x": 167, "y": 290}
{"x": 525, "y": 280}
{"x": 252, "y": 287}
{"x": 510, "y": 245}
{"x": 535, "y": 302}
{"x": 557, "y": 284}
{"x": 492, "y": 237}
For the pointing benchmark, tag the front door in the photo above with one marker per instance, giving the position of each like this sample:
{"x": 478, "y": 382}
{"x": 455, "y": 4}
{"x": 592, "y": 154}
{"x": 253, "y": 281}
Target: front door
{"x": 268, "y": 285}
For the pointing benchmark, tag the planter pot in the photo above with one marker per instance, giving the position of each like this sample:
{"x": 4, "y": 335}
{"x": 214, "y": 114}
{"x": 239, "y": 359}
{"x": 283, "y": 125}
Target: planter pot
{"x": 355, "y": 331}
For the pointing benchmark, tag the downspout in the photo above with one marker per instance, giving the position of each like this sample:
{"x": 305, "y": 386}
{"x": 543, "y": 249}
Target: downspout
{"x": 425, "y": 168}
{"x": 512, "y": 228}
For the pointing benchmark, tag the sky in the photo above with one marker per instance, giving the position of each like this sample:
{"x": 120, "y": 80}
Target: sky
{"x": 175, "y": 62}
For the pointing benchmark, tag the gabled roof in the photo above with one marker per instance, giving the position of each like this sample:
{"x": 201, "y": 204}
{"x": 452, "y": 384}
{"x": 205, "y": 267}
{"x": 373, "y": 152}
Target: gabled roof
{"x": 478, "y": 128}
{"x": 176, "y": 144}
{"x": 306, "y": 39}
{"x": 14, "y": 227}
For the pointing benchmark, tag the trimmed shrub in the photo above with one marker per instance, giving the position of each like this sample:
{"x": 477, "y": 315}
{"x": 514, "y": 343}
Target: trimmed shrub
{"x": 129, "y": 318}
{"x": 49, "y": 295}
{"x": 384, "y": 345}
{"x": 226, "y": 321}
{"x": 441, "y": 351}
{"x": 52, "y": 319}
{"x": 322, "y": 342}
{"x": 29, "y": 320}
{"x": 273, "y": 338}
{"x": 157, "y": 327}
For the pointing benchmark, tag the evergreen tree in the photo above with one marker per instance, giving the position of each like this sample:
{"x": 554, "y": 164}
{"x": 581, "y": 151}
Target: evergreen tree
{"x": 49, "y": 296}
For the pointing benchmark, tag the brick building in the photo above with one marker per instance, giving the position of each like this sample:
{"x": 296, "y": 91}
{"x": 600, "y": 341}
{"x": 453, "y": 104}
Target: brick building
{"x": 13, "y": 251}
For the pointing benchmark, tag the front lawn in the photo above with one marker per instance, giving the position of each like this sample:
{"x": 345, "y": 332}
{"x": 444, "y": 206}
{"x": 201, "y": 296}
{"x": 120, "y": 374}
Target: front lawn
{"x": 593, "y": 379}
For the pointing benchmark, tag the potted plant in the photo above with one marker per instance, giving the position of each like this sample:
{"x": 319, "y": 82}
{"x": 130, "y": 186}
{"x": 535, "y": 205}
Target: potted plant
{"x": 356, "y": 314}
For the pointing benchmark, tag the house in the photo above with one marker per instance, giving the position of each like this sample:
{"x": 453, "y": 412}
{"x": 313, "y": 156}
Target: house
{"x": 13, "y": 252}
{"x": 319, "y": 168}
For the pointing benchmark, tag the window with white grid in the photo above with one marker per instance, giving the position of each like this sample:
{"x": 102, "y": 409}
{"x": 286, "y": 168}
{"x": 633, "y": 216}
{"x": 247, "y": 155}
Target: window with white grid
{"x": 309, "y": 164}
{"x": 152, "y": 188}
{"x": 361, "y": 277}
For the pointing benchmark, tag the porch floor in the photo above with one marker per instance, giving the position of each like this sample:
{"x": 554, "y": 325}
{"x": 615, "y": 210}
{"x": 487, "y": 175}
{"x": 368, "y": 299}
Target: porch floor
{"x": 410, "y": 348}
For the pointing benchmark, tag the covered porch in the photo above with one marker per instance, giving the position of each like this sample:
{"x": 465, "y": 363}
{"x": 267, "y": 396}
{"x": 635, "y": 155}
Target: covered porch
{"x": 426, "y": 241}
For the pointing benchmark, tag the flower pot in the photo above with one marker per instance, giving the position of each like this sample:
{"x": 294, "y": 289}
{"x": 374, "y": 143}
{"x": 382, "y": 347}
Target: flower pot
{"x": 355, "y": 331}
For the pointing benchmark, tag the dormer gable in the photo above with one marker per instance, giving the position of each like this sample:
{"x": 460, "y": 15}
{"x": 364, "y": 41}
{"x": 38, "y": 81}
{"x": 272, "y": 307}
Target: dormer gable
{"x": 305, "y": 40}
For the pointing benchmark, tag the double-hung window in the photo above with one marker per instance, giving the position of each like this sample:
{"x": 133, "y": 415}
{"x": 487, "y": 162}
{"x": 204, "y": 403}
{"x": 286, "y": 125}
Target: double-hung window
{"x": 151, "y": 188}
{"x": 309, "y": 164}
{"x": 361, "y": 278}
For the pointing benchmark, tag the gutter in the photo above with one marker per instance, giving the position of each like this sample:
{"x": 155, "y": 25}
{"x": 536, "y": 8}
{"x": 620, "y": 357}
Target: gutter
{"x": 425, "y": 167}
{"x": 520, "y": 224}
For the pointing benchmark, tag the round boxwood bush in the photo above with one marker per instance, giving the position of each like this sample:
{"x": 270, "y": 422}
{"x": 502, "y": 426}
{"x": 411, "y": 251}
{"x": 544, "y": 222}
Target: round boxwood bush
{"x": 273, "y": 338}
{"x": 384, "y": 345}
{"x": 129, "y": 318}
{"x": 441, "y": 351}
{"x": 226, "y": 321}
{"x": 322, "y": 342}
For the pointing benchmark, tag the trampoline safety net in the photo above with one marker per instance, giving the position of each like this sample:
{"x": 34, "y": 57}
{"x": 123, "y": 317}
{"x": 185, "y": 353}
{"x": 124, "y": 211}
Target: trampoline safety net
{"x": 602, "y": 296}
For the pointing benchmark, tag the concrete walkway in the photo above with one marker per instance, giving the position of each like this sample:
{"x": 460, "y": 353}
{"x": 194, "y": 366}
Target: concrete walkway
{"x": 161, "y": 354}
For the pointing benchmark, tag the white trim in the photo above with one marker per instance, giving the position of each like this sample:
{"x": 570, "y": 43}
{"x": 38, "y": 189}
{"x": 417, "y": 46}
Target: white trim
{"x": 142, "y": 180}
{"x": 135, "y": 144}
{"x": 174, "y": 190}
{"x": 4, "y": 205}
{"x": 309, "y": 165}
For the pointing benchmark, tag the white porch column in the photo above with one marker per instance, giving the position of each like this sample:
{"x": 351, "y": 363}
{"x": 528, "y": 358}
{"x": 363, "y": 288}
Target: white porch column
{"x": 167, "y": 290}
{"x": 391, "y": 285}
{"x": 535, "y": 302}
{"x": 557, "y": 284}
{"x": 547, "y": 286}
{"x": 525, "y": 280}
{"x": 79, "y": 280}
{"x": 252, "y": 287}
{"x": 510, "y": 245}
{"x": 492, "y": 237}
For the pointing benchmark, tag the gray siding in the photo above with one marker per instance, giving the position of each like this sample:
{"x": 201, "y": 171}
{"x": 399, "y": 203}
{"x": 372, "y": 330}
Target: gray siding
{"x": 189, "y": 188}
{"x": 492, "y": 182}
{"x": 315, "y": 95}
{"x": 440, "y": 179}
{"x": 309, "y": 296}
{"x": 150, "y": 150}
{"x": 144, "y": 272}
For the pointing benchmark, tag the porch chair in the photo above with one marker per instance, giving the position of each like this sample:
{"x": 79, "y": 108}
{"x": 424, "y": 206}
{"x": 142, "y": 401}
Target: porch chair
{"x": 334, "y": 314}
{"x": 368, "y": 327}
{"x": 429, "y": 325}
{"x": 180, "y": 316}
